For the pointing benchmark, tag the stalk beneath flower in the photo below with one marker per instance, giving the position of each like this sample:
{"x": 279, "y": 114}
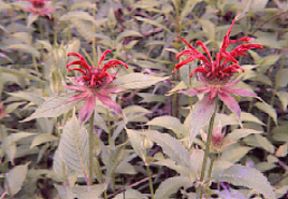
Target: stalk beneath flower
{"x": 149, "y": 173}
{"x": 207, "y": 150}
{"x": 91, "y": 149}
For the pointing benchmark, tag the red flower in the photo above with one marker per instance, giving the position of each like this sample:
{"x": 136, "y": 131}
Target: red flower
{"x": 95, "y": 83}
{"x": 2, "y": 111}
{"x": 40, "y": 7}
{"x": 217, "y": 75}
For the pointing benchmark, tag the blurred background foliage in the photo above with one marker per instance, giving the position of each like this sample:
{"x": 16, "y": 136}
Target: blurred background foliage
{"x": 144, "y": 34}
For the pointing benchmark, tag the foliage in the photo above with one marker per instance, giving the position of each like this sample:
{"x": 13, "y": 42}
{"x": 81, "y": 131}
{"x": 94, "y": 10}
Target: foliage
{"x": 154, "y": 146}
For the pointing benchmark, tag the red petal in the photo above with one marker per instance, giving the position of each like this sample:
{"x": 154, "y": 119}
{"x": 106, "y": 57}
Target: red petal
{"x": 114, "y": 63}
{"x": 205, "y": 49}
{"x": 103, "y": 56}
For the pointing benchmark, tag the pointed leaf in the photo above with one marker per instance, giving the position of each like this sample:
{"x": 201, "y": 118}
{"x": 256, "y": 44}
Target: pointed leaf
{"x": 15, "y": 178}
{"x": 171, "y": 123}
{"x": 52, "y": 107}
{"x": 137, "y": 81}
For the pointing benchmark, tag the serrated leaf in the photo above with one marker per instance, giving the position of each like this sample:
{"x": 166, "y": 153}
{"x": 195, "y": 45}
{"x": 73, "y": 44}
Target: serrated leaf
{"x": 52, "y": 107}
{"x": 266, "y": 108}
{"x": 171, "y": 147}
{"x": 171, "y": 123}
{"x": 248, "y": 177}
{"x": 137, "y": 81}
{"x": 73, "y": 146}
{"x": 14, "y": 179}
{"x": 170, "y": 186}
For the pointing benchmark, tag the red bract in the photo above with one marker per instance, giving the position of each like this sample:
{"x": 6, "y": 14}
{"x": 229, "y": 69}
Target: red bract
{"x": 40, "y": 7}
{"x": 95, "y": 83}
{"x": 217, "y": 74}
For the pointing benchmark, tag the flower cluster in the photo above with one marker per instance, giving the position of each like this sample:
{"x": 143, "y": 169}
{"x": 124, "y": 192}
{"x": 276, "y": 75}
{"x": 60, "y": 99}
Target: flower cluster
{"x": 94, "y": 83}
{"x": 40, "y": 7}
{"x": 217, "y": 74}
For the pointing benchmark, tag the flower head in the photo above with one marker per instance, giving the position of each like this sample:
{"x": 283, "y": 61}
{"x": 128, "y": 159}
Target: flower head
{"x": 39, "y": 7}
{"x": 217, "y": 74}
{"x": 94, "y": 83}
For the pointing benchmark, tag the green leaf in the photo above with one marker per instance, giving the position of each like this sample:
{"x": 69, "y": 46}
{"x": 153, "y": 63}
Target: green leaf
{"x": 152, "y": 22}
{"x": 14, "y": 179}
{"x": 248, "y": 177}
{"x": 73, "y": 146}
{"x": 248, "y": 117}
{"x": 9, "y": 143}
{"x": 24, "y": 48}
{"x": 283, "y": 97}
{"x": 128, "y": 33}
{"x": 137, "y": 141}
{"x": 130, "y": 194}
{"x": 171, "y": 123}
{"x": 79, "y": 15}
{"x": 281, "y": 79}
{"x": 209, "y": 29}
{"x": 170, "y": 186}
{"x": 171, "y": 147}
{"x": 234, "y": 153}
{"x": 137, "y": 81}
{"x": 42, "y": 138}
{"x": 52, "y": 107}
{"x": 237, "y": 134}
{"x": 266, "y": 108}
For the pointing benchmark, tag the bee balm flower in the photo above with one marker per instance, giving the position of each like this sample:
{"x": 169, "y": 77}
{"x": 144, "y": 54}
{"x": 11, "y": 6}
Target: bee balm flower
{"x": 95, "y": 83}
{"x": 40, "y": 7}
{"x": 217, "y": 74}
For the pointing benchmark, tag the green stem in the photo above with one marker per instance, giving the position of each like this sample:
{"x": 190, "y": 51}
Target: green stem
{"x": 207, "y": 150}
{"x": 149, "y": 173}
{"x": 91, "y": 148}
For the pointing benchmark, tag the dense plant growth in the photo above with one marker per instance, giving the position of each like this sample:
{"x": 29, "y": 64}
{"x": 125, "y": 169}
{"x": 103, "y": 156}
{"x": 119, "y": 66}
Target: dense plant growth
{"x": 138, "y": 99}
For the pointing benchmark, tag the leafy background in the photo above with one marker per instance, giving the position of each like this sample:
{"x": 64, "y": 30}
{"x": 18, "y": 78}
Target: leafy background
{"x": 44, "y": 155}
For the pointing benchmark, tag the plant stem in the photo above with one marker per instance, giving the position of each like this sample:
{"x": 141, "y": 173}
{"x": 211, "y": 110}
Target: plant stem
{"x": 91, "y": 148}
{"x": 207, "y": 149}
{"x": 149, "y": 173}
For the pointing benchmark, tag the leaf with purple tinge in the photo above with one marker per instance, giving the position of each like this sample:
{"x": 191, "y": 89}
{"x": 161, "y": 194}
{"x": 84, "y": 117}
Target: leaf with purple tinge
{"x": 201, "y": 115}
{"x": 230, "y": 102}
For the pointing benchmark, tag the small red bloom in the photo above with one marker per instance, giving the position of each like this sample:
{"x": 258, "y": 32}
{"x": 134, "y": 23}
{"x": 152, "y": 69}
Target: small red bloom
{"x": 2, "y": 111}
{"x": 95, "y": 83}
{"x": 40, "y": 7}
{"x": 217, "y": 74}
